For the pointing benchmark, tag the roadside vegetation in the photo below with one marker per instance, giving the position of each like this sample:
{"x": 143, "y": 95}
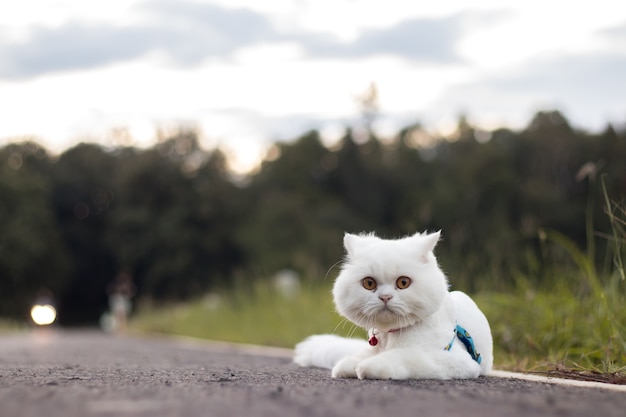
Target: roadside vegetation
{"x": 7, "y": 326}
{"x": 571, "y": 325}
{"x": 563, "y": 326}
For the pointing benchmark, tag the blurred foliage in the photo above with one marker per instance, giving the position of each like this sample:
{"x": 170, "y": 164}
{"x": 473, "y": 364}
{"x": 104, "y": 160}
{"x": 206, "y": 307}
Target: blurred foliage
{"x": 182, "y": 224}
{"x": 261, "y": 315}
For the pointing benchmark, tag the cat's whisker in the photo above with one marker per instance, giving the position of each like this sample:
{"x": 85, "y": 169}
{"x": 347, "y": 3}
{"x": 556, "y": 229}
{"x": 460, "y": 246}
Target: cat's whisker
{"x": 359, "y": 316}
{"x": 341, "y": 322}
{"x": 330, "y": 269}
{"x": 353, "y": 330}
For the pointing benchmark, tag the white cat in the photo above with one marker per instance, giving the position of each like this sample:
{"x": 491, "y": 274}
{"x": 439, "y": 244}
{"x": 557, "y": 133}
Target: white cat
{"x": 416, "y": 328}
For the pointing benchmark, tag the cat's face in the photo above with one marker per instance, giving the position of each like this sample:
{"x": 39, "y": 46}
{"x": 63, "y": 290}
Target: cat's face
{"x": 389, "y": 284}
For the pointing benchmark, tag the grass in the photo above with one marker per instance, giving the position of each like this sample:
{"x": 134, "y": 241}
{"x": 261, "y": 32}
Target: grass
{"x": 539, "y": 331}
{"x": 259, "y": 315}
{"x": 576, "y": 321}
{"x": 10, "y": 326}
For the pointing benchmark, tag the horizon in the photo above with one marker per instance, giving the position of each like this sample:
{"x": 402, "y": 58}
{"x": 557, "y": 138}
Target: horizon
{"x": 125, "y": 140}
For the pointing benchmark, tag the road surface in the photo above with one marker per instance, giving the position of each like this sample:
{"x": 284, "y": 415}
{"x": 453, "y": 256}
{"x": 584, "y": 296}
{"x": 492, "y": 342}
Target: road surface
{"x": 87, "y": 373}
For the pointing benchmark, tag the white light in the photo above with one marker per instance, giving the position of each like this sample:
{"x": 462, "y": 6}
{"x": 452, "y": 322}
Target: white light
{"x": 43, "y": 315}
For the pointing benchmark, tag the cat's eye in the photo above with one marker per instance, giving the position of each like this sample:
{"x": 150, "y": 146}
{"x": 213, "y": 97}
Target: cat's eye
{"x": 403, "y": 282}
{"x": 369, "y": 283}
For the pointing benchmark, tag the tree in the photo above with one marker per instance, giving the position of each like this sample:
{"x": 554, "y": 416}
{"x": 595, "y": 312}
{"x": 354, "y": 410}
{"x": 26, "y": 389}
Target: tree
{"x": 83, "y": 194}
{"x": 33, "y": 255}
{"x": 173, "y": 221}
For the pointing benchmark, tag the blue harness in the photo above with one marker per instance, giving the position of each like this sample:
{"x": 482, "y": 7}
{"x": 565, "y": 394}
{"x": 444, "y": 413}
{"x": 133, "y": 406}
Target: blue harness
{"x": 465, "y": 338}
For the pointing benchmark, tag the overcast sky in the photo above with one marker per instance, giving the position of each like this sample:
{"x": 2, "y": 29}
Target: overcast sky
{"x": 249, "y": 72}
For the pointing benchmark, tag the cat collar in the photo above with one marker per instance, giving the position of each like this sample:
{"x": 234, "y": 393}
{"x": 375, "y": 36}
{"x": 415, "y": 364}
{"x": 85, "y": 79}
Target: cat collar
{"x": 459, "y": 333}
{"x": 465, "y": 338}
{"x": 371, "y": 336}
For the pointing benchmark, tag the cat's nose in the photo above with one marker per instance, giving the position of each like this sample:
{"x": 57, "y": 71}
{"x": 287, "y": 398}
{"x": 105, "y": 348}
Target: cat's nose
{"x": 385, "y": 297}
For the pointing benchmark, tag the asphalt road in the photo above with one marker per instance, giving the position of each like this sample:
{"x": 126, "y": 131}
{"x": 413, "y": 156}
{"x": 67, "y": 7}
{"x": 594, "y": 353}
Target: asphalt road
{"x": 86, "y": 373}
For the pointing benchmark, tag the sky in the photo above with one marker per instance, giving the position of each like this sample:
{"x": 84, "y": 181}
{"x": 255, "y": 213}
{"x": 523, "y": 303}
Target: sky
{"x": 247, "y": 73}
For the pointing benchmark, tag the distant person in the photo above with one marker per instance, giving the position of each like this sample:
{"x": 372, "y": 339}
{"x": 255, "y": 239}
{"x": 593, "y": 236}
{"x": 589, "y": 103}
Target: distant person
{"x": 120, "y": 294}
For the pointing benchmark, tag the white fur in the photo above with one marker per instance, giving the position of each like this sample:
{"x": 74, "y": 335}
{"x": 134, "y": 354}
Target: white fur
{"x": 422, "y": 317}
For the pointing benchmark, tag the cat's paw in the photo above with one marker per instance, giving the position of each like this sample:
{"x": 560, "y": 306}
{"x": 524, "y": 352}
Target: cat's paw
{"x": 345, "y": 368}
{"x": 378, "y": 368}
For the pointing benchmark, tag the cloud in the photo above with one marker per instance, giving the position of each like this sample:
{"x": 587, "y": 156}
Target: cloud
{"x": 421, "y": 40}
{"x": 193, "y": 31}
{"x": 75, "y": 45}
{"x": 587, "y": 87}
{"x": 617, "y": 33}
{"x": 187, "y": 32}
{"x": 593, "y": 76}
{"x": 415, "y": 39}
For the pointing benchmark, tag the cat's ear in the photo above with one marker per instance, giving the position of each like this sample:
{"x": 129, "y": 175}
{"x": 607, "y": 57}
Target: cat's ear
{"x": 426, "y": 244}
{"x": 349, "y": 242}
{"x": 430, "y": 241}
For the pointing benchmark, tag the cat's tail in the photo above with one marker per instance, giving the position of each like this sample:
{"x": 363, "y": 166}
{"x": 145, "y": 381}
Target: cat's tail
{"x": 325, "y": 350}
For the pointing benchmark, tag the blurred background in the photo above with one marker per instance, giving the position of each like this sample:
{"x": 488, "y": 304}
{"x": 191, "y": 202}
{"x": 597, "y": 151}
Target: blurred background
{"x": 204, "y": 158}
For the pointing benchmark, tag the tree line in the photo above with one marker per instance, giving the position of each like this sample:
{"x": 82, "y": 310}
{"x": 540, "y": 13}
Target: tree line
{"x": 176, "y": 219}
